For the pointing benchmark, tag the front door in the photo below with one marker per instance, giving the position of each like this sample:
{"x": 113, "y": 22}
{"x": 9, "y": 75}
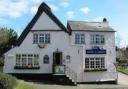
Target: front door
{"x": 57, "y": 58}
{"x": 58, "y": 67}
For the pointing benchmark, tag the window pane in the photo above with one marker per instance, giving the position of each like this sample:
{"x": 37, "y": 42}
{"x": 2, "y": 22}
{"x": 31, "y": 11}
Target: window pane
{"x": 36, "y": 61}
{"x": 77, "y": 38}
{"x": 41, "y": 38}
{"x": 30, "y": 57}
{"x": 102, "y": 63}
{"x": 47, "y": 38}
{"x": 97, "y": 63}
{"x": 82, "y": 39}
{"x": 46, "y": 59}
{"x": 87, "y": 63}
{"x": 35, "y": 38}
{"x": 24, "y": 59}
{"x": 18, "y": 58}
{"x": 91, "y": 63}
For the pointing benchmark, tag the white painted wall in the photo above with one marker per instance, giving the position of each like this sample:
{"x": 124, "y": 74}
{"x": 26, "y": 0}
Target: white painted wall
{"x": 45, "y": 23}
{"x": 110, "y": 57}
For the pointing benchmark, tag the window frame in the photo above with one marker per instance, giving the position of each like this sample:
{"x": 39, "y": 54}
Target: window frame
{"x": 27, "y": 60}
{"x": 95, "y": 64}
{"x": 46, "y": 59}
{"x": 41, "y": 38}
{"x": 80, "y": 38}
{"x": 97, "y": 39}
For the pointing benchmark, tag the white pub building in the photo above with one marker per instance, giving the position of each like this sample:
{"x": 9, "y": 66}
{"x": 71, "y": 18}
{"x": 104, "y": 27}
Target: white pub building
{"x": 82, "y": 52}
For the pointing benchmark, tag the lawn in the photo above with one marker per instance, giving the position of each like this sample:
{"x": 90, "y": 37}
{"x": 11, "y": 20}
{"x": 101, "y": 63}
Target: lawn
{"x": 23, "y": 85}
{"x": 123, "y": 70}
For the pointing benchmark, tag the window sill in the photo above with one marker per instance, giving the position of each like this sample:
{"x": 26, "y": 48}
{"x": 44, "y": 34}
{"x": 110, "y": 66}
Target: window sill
{"x": 26, "y": 67}
{"x": 94, "y": 70}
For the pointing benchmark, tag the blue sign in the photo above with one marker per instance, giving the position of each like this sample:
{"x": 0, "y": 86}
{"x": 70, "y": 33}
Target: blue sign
{"x": 96, "y": 51}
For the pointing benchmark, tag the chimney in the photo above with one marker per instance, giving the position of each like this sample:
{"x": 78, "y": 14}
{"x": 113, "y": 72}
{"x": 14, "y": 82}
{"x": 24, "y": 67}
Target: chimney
{"x": 105, "y": 20}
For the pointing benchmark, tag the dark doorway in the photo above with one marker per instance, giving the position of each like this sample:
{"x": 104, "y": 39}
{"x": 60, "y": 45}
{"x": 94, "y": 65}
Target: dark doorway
{"x": 57, "y": 58}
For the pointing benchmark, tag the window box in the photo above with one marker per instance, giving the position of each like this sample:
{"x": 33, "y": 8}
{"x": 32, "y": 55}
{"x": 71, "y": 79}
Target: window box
{"x": 94, "y": 70}
{"x": 27, "y": 67}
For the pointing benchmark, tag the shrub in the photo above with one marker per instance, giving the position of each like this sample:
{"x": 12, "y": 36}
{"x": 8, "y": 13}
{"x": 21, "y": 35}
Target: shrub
{"x": 1, "y": 61}
{"x": 7, "y": 81}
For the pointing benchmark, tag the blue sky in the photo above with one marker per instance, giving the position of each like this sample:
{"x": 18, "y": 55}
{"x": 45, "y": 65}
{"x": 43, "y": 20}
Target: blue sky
{"x": 17, "y": 13}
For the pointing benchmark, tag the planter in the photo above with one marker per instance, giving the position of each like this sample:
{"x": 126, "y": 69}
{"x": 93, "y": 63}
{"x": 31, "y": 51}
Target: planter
{"x": 94, "y": 70}
{"x": 26, "y": 67}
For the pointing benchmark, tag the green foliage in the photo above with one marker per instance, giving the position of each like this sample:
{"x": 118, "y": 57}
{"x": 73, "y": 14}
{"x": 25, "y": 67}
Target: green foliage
{"x": 24, "y": 86}
{"x": 123, "y": 69}
{"x": 7, "y": 81}
{"x": 8, "y": 38}
{"x": 1, "y": 61}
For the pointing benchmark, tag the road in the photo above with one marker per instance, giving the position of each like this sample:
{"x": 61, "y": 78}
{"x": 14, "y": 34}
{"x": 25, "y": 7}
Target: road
{"x": 122, "y": 84}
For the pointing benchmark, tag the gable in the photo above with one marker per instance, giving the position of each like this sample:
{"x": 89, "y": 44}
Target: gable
{"x": 34, "y": 23}
{"x": 45, "y": 23}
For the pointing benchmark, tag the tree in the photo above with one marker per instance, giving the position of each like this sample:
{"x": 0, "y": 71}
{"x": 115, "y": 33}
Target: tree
{"x": 118, "y": 40}
{"x": 8, "y": 38}
{"x": 127, "y": 48}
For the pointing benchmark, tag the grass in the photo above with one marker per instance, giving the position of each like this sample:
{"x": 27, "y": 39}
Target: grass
{"x": 123, "y": 70}
{"x": 23, "y": 85}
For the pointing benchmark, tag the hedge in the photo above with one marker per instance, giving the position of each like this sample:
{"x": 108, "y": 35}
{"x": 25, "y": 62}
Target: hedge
{"x": 1, "y": 61}
{"x": 7, "y": 81}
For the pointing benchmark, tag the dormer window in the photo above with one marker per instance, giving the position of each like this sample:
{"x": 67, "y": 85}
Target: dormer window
{"x": 79, "y": 38}
{"x": 41, "y": 38}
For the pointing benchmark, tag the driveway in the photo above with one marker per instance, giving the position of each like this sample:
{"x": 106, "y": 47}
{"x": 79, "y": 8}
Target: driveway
{"x": 122, "y": 84}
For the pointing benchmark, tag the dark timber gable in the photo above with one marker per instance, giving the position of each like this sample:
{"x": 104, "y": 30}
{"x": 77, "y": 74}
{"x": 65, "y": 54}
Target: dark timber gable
{"x": 43, "y": 8}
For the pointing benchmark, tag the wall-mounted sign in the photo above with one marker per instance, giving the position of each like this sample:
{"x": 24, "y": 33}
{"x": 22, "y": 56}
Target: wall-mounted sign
{"x": 96, "y": 51}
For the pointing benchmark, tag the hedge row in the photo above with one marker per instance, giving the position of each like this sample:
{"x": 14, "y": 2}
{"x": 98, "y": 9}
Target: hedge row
{"x": 7, "y": 81}
{"x": 1, "y": 61}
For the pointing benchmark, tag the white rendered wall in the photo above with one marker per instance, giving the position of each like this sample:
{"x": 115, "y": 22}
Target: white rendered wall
{"x": 110, "y": 57}
{"x": 45, "y": 23}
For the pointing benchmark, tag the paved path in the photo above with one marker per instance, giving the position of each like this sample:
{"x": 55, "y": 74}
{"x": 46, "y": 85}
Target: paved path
{"x": 123, "y": 84}
{"x": 123, "y": 79}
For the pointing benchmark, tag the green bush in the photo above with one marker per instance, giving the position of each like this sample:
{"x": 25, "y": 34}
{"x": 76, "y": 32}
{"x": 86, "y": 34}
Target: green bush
{"x": 1, "y": 61}
{"x": 7, "y": 81}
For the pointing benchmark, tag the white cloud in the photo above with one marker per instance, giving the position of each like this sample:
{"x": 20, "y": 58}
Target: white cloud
{"x": 13, "y": 9}
{"x": 98, "y": 19}
{"x": 70, "y": 14}
{"x": 85, "y": 10}
{"x": 34, "y": 9}
{"x": 40, "y": 1}
{"x": 64, "y": 4}
{"x": 53, "y": 7}
{"x": 37, "y": 1}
